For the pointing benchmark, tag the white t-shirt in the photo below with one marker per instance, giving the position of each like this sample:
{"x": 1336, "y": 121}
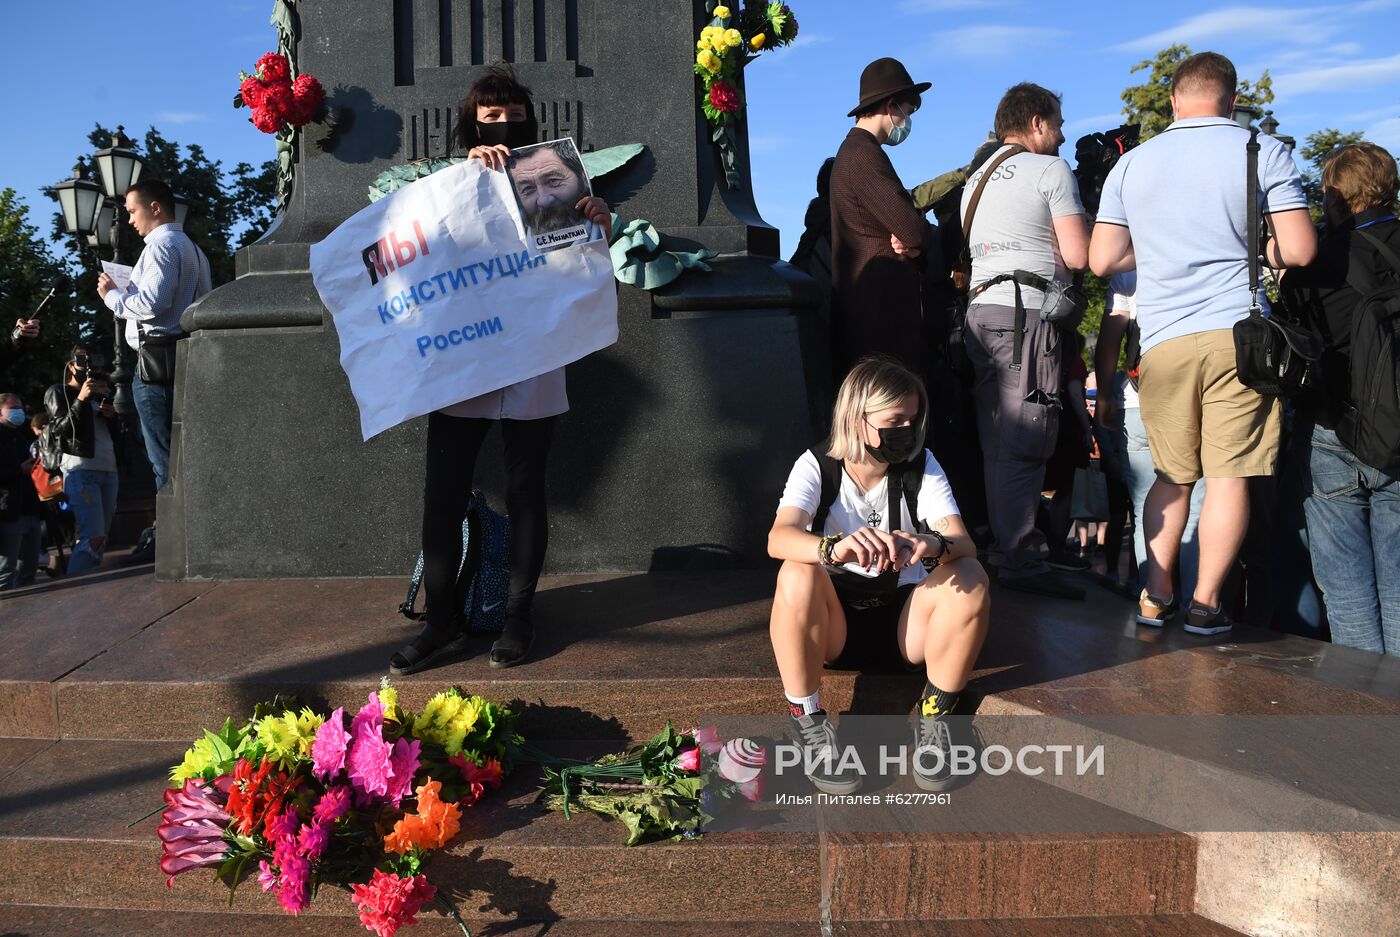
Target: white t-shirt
{"x": 850, "y": 509}
{"x": 1122, "y": 294}
{"x": 104, "y": 455}
{"x": 1014, "y": 228}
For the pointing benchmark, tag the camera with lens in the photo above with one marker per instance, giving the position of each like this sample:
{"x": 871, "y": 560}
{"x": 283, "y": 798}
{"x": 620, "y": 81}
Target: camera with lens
{"x": 1097, "y": 153}
{"x": 91, "y": 365}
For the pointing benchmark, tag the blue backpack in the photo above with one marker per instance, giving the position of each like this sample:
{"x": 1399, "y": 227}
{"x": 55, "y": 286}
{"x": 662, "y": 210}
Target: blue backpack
{"x": 489, "y": 534}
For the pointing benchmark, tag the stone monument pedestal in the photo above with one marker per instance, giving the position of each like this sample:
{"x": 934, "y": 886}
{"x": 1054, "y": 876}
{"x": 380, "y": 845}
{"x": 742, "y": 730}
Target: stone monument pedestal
{"x": 679, "y": 437}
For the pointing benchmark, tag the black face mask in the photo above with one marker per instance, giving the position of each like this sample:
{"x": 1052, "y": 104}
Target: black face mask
{"x": 897, "y": 444}
{"x": 511, "y": 133}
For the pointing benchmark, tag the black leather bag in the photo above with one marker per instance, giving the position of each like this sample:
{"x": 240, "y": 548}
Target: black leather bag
{"x": 1272, "y": 355}
{"x": 156, "y": 358}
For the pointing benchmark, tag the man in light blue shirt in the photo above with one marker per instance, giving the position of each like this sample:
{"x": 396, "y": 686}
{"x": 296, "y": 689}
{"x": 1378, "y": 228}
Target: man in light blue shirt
{"x": 170, "y": 274}
{"x": 1176, "y": 209}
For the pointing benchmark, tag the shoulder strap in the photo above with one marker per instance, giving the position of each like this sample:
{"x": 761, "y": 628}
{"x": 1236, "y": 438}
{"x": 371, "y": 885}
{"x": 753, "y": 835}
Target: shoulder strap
{"x": 831, "y": 487}
{"x": 911, "y": 480}
{"x": 1252, "y": 214}
{"x": 982, "y": 184}
{"x": 1382, "y": 248}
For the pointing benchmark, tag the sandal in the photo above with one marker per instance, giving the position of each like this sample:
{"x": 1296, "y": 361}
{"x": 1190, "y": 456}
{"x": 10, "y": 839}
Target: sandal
{"x": 423, "y": 652}
{"x": 513, "y": 646}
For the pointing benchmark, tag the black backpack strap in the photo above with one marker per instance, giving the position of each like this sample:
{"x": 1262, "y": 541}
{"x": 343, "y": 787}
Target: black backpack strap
{"x": 1362, "y": 281}
{"x": 831, "y": 487}
{"x": 910, "y": 476}
{"x": 1252, "y": 214}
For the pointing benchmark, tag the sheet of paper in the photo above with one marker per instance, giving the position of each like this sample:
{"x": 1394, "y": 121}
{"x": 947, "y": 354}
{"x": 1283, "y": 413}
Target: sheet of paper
{"x": 120, "y": 274}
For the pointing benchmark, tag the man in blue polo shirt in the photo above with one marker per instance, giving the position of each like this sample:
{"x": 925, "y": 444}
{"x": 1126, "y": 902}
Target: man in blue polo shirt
{"x": 1175, "y": 209}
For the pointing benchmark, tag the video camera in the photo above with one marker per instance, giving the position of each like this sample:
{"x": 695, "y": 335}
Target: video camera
{"x": 90, "y": 365}
{"x": 1097, "y": 153}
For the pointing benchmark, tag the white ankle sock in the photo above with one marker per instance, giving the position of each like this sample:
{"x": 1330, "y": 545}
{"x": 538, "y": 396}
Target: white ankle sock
{"x": 808, "y": 703}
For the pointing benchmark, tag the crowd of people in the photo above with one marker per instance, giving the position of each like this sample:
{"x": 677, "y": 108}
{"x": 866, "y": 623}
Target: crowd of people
{"x": 940, "y": 335}
{"x": 1176, "y": 438}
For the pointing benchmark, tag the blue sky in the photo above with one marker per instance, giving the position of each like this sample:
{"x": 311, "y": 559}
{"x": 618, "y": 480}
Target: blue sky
{"x": 1333, "y": 65}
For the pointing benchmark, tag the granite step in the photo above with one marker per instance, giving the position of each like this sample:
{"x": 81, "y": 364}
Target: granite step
{"x": 38, "y": 921}
{"x": 119, "y": 656}
{"x": 64, "y": 840}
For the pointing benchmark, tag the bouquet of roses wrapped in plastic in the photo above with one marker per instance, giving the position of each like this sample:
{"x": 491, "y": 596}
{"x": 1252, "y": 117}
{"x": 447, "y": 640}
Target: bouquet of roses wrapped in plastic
{"x": 357, "y": 801}
{"x": 663, "y": 788}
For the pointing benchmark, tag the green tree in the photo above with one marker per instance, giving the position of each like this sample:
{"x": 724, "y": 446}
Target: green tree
{"x": 1316, "y": 148}
{"x": 1149, "y": 104}
{"x": 26, "y": 277}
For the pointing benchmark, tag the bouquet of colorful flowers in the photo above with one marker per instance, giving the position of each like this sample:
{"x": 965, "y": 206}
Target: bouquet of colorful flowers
{"x": 356, "y": 801}
{"x": 279, "y": 102}
{"x": 663, "y": 788}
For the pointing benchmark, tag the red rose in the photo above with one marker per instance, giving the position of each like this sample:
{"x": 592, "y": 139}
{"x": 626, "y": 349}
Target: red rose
{"x": 266, "y": 120}
{"x": 723, "y": 97}
{"x": 308, "y": 96}
{"x": 278, "y": 99}
{"x": 273, "y": 67}
{"x": 252, "y": 91}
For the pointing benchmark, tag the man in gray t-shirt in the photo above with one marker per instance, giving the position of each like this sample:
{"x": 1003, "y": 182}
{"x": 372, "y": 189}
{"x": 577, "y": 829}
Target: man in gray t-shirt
{"x": 1028, "y": 222}
{"x": 1175, "y": 209}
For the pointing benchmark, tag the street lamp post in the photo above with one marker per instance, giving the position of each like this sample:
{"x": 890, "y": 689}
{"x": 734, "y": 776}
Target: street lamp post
{"x": 119, "y": 166}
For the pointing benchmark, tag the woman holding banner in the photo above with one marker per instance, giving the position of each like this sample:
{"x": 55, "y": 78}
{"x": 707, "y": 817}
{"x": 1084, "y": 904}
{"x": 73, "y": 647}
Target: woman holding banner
{"x": 496, "y": 117}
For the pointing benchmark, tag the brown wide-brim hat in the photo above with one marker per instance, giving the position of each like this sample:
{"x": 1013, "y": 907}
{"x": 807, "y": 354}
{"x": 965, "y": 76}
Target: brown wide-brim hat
{"x": 885, "y": 78}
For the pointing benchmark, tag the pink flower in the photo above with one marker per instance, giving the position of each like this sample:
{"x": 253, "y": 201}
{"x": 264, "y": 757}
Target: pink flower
{"x": 328, "y": 751}
{"x": 313, "y": 839}
{"x": 708, "y": 739}
{"x": 293, "y": 891}
{"x": 403, "y": 765}
{"x": 333, "y": 805}
{"x": 281, "y": 828}
{"x": 389, "y": 902}
{"x": 192, "y": 828}
{"x": 267, "y": 875}
{"x": 370, "y": 759}
{"x": 689, "y": 760}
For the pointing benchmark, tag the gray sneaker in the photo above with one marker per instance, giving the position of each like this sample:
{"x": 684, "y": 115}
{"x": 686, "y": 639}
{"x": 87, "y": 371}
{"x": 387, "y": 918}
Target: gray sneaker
{"x": 821, "y": 754}
{"x": 931, "y": 772}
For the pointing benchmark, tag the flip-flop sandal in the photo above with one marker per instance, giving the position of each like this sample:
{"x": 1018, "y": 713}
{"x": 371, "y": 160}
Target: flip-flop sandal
{"x": 420, "y": 654}
{"x": 511, "y": 649}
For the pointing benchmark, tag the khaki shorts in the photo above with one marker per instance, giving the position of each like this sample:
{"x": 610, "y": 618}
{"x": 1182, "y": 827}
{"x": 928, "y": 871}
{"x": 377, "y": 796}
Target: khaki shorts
{"x": 1201, "y": 421}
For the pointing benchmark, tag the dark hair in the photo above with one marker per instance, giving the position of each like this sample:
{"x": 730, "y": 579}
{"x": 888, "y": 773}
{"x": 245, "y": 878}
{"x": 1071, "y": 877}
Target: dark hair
{"x": 499, "y": 87}
{"x": 154, "y": 190}
{"x": 904, "y": 98}
{"x": 1020, "y": 105}
{"x": 1209, "y": 69}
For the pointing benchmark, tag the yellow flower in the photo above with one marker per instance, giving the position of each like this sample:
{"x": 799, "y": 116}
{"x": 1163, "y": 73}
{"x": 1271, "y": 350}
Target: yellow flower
{"x": 732, "y": 38}
{"x": 757, "y": 41}
{"x": 196, "y": 760}
{"x": 722, "y": 12}
{"x": 389, "y": 699}
{"x": 287, "y": 738}
{"x": 448, "y": 719}
{"x": 707, "y": 60}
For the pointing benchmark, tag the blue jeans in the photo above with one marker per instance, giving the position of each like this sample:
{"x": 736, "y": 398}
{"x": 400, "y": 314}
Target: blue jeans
{"x": 1139, "y": 474}
{"x": 154, "y": 404}
{"x": 1354, "y": 533}
{"x": 93, "y": 498}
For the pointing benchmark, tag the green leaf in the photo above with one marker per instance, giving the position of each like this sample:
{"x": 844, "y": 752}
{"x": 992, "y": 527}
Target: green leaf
{"x": 601, "y": 162}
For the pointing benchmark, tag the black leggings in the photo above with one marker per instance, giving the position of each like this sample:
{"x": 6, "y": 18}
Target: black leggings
{"x": 453, "y": 445}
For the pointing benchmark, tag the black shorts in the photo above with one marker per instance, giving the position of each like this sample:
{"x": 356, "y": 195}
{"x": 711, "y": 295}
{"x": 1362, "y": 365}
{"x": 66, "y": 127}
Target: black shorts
{"x": 872, "y": 631}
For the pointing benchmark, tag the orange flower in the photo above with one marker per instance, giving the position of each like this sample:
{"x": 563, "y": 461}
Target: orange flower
{"x": 432, "y": 826}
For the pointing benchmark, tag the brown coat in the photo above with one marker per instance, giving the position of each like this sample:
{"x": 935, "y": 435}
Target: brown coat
{"x": 875, "y": 292}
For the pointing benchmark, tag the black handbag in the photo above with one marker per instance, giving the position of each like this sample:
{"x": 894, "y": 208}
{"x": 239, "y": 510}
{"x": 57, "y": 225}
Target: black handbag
{"x": 155, "y": 357}
{"x": 1272, "y": 355}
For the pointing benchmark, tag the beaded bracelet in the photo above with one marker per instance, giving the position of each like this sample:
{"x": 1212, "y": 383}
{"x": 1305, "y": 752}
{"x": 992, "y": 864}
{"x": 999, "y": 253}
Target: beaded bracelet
{"x": 824, "y": 548}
